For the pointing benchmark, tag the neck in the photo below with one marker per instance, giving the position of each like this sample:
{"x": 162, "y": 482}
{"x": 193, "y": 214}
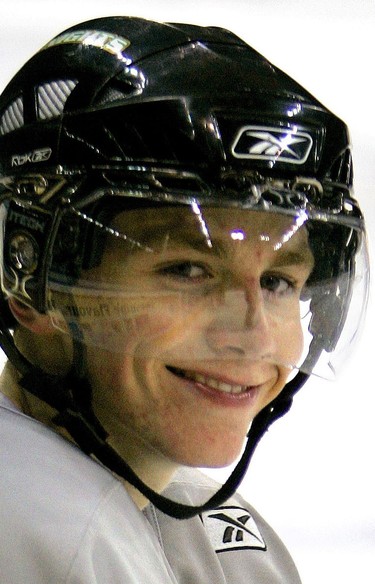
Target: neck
{"x": 24, "y": 401}
{"x": 152, "y": 467}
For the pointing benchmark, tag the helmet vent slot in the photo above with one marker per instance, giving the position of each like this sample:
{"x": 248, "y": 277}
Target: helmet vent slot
{"x": 51, "y": 97}
{"x": 13, "y": 117}
{"x": 113, "y": 93}
{"x": 341, "y": 170}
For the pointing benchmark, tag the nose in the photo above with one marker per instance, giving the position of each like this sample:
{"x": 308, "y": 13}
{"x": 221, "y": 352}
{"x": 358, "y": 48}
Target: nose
{"x": 241, "y": 325}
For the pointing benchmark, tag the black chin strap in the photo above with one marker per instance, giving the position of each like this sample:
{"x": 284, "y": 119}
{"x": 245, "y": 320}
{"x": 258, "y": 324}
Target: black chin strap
{"x": 90, "y": 436}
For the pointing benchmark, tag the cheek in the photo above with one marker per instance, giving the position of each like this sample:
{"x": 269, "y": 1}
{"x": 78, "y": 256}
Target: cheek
{"x": 298, "y": 341}
{"x": 117, "y": 395}
{"x": 121, "y": 327}
{"x": 289, "y": 340}
{"x": 151, "y": 332}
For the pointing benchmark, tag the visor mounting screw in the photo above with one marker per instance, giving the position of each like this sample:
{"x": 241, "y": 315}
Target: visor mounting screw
{"x": 23, "y": 252}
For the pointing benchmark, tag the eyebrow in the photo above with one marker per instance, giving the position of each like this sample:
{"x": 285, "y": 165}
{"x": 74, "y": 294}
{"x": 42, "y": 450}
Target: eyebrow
{"x": 175, "y": 233}
{"x": 295, "y": 258}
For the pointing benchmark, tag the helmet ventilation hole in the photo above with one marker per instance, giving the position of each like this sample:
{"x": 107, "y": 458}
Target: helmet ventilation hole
{"x": 51, "y": 97}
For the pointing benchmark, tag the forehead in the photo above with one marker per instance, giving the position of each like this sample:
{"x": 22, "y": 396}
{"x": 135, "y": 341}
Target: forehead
{"x": 204, "y": 226}
{"x": 224, "y": 232}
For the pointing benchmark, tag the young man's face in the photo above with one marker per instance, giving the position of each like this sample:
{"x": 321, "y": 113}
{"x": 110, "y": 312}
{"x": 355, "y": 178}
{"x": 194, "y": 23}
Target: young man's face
{"x": 195, "y": 327}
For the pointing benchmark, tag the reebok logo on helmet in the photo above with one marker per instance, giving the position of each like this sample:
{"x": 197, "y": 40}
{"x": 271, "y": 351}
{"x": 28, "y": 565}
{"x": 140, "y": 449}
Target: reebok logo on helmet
{"x": 272, "y": 144}
{"x": 40, "y": 155}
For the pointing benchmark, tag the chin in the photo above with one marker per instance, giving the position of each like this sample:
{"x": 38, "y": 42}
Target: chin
{"x": 211, "y": 459}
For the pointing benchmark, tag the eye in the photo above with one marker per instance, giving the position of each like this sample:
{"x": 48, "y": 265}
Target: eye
{"x": 186, "y": 271}
{"x": 278, "y": 285}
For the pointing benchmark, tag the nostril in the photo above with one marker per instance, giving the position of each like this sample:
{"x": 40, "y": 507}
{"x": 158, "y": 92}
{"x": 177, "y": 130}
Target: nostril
{"x": 239, "y": 351}
{"x": 244, "y": 343}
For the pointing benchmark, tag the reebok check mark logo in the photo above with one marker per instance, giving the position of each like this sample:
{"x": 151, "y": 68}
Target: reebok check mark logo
{"x": 272, "y": 144}
{"x": 232, "y": 528}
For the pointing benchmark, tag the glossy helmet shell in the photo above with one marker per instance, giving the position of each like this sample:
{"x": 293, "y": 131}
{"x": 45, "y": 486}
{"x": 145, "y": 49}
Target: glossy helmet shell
{"x": 120, "y": 92}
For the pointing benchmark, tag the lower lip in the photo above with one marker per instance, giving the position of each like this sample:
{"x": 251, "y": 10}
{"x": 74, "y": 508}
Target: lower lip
{"x": 245, "y": 399}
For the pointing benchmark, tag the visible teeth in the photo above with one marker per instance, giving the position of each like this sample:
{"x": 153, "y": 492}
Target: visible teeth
{"x": 214, "y": 383}
{"x": 200, "y": 378}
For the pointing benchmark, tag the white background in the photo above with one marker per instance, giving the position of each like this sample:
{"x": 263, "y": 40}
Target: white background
{"x": 313, "y": 474}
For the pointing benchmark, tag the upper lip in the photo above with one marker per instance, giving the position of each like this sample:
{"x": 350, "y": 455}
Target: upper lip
{"x": 218, "y": 377}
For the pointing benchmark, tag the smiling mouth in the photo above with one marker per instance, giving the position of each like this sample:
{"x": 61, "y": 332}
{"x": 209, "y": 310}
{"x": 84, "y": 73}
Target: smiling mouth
{"x": 210, "y": 382}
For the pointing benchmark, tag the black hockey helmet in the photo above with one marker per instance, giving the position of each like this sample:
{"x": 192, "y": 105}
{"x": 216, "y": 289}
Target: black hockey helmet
{"x": 120, "y": 114}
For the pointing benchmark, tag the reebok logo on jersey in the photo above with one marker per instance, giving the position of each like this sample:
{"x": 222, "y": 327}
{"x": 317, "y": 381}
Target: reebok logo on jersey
{"x": 232, "y": 528}
{"x": 272, "y": 144}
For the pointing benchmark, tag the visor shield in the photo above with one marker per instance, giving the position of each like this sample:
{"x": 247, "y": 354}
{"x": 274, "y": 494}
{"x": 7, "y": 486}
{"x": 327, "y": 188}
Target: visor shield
{"x": 190, "y": 283}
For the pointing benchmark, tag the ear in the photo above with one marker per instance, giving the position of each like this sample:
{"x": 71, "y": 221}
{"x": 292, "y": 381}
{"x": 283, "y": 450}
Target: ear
{"x": 30, "y": 318}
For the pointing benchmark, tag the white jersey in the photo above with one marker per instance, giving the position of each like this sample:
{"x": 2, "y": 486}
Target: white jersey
{"x": 66, "y": 519}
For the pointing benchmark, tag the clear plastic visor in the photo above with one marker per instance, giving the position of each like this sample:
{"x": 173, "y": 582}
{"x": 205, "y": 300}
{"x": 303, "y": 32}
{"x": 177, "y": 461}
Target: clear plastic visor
{"x": 192, "y": 286}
